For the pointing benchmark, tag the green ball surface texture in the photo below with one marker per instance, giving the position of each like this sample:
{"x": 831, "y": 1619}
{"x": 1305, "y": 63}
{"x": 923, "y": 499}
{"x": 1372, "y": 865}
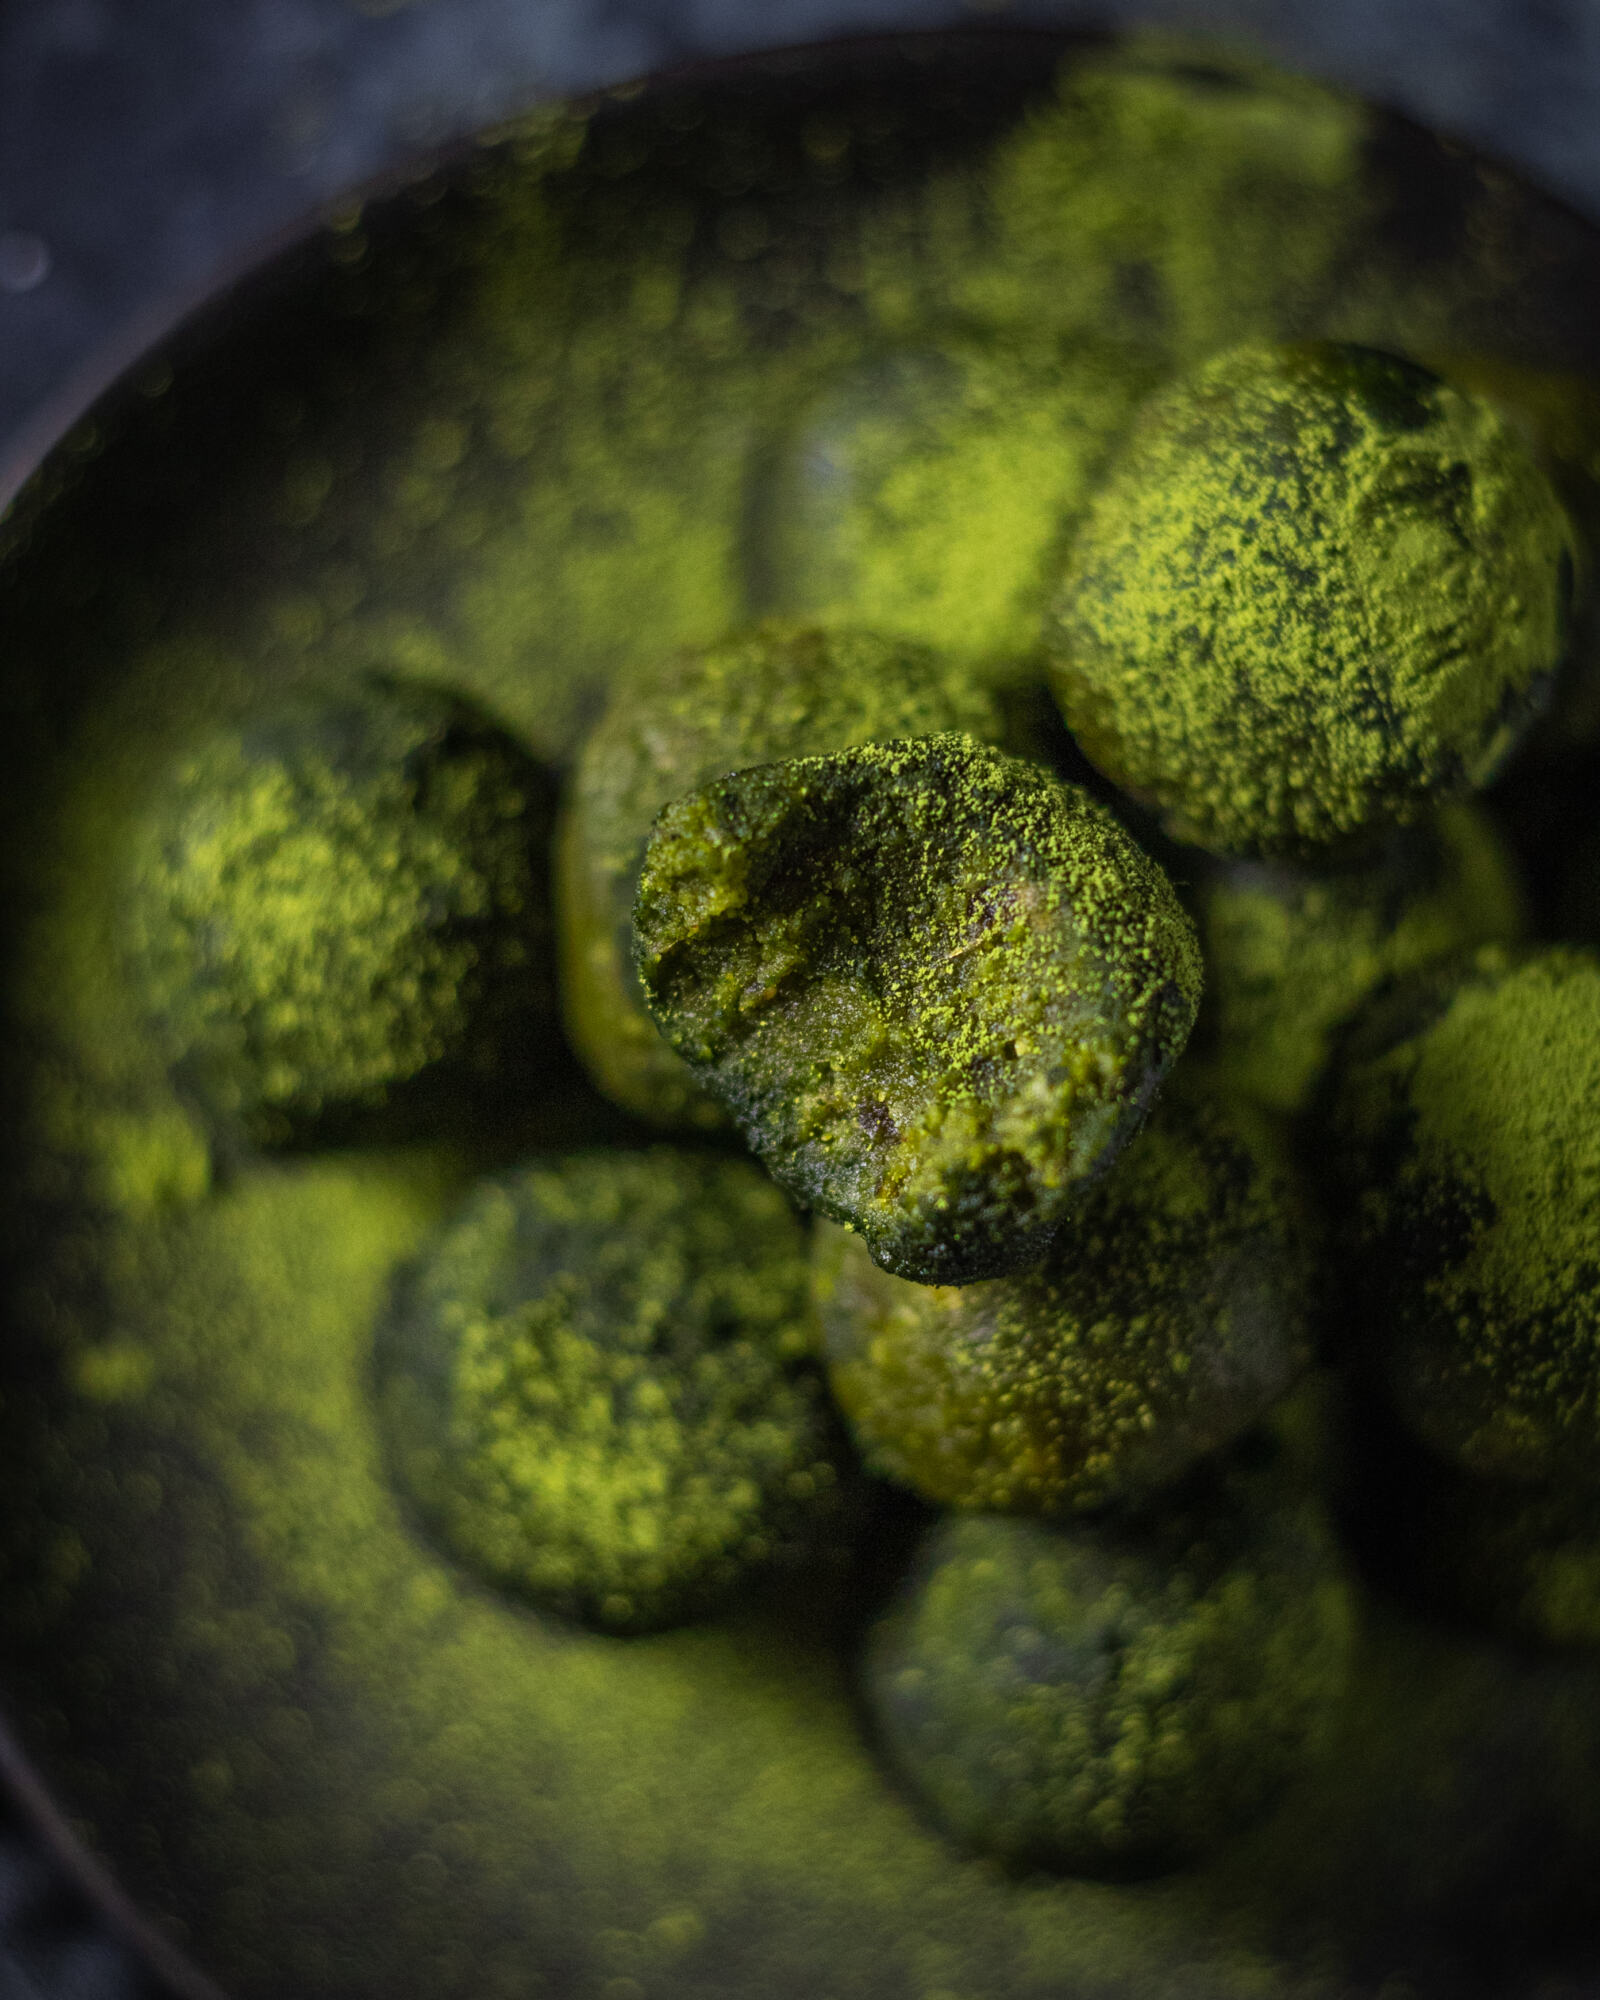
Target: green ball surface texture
{"x": 935, "y": 988}
{"x": 336, "y": 895}
{"x": 927, "y": 490}
{"x": 596, "y": 1386}
{"x": 1169, "y": 1314}
{"x": 1318, "y": 588}
{"x": 1463, "y": 1146}
{"x": 1293, "y": 952}
{"x": 1107, "y": 1701}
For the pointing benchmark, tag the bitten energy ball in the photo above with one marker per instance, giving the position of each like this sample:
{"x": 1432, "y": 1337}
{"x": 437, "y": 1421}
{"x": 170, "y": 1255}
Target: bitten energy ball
{"x": 1111, "y": 1701}
{"x": 779, "y": 691}
{"x": 1292, "y": 953}
{"x": 596, "y": 1389}
{"x": 335, "y": 895}
{"x": 1318, "y": 588}
{"x": 935, "y": 988}
{"x": 1169, "y": 1314}
{"x": 1464, "y": 1137}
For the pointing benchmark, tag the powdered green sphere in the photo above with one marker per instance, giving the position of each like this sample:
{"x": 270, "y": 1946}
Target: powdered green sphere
{"x": 1318, "y": 588}
{"x": 1152, "y": 197}
{"x": 1111, "y": 1701}
{"x": 935, "y": 988}
{"x": 336, "y": 895}
{"x": 595, "y": 1385}
{"x": 1170, "y": 1313}
{"x": 1291, "y": 952}
{"x": 926, "y": 490}
{"x": 1464, "y": 1137}
{"x": 778, "y": 691}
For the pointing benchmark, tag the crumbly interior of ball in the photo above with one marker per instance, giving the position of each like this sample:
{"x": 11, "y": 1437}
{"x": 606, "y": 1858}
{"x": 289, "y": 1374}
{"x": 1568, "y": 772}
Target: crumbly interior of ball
{"x": 934, "y": 986}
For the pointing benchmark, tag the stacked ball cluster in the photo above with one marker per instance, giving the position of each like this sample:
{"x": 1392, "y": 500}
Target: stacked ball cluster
{"x": 1010, "y": 1102}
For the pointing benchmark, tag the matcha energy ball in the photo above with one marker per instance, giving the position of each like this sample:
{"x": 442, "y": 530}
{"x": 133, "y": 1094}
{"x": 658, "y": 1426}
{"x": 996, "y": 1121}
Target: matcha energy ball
{"x": 335, "y": 895}
{"x": 935, "y": 987}
{"x": 1291, "y": 952}
{"x": 1463, "y": 1134}
{"x": 1170, "y": 1313}
{"x": 927, "y": 490}
{"x": 1152, "y": 197}
{"x": 1108, "y": 1700}
{"x": 777, "y": 691}
{"x": 1317, "y": 588}
{"x": 596, "y": 1388}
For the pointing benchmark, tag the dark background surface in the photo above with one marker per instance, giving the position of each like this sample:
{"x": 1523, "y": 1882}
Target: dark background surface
{"x": 150, "y": 148}
{"x": 147, "y": 147}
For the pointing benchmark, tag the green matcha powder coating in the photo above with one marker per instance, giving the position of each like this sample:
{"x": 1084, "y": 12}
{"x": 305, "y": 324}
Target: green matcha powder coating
{"x": 334, "y": 895}
{"x": 934, "y": 986}
{"x": 1109, "y": 1701}
{"x": 926, "y": 490}
{"x": 1291, "y": 953}
{"x": 776, "y": 691}
{"x": 595, "y": 1385}
{"x": 1170, "y": 1313}
{"x": 1464, "y": 1139}
{"x": 473, "y": 1800}
{"x": 1317, "y": 588}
